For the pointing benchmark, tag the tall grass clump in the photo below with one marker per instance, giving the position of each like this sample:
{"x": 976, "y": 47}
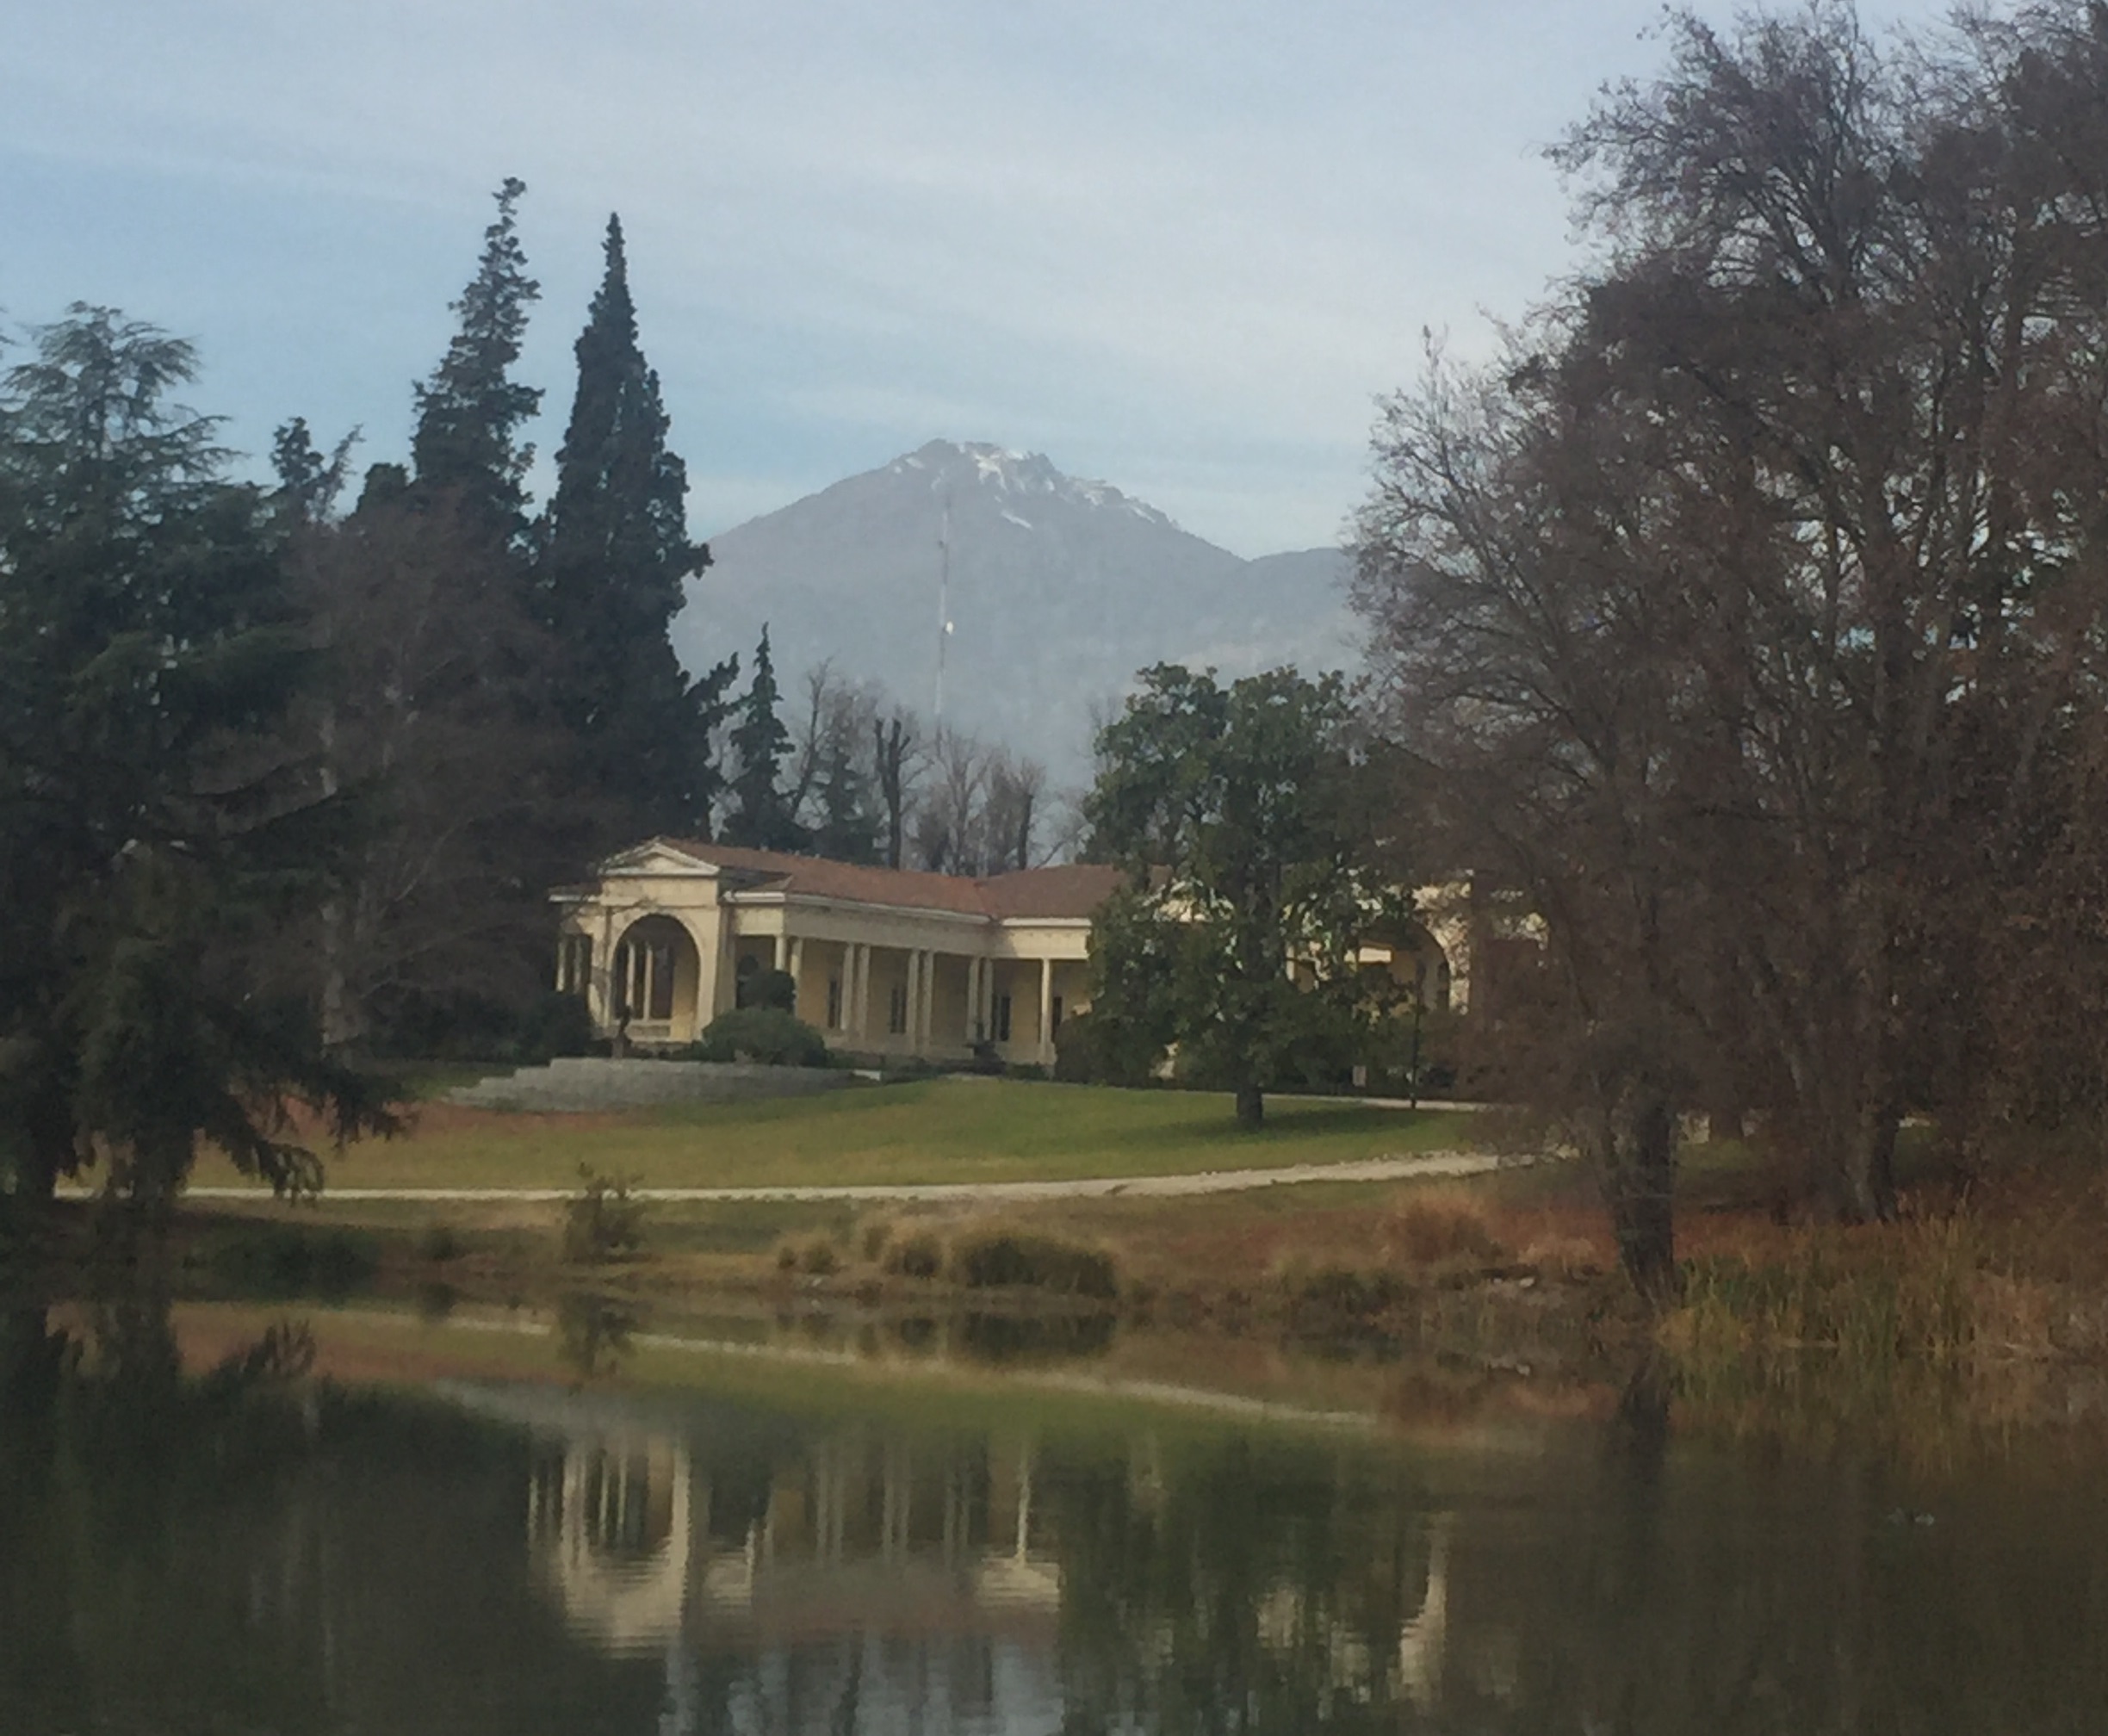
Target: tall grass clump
{"x": 1442, "y": 1228}
{"x": 1868, "y": 1298}
{"x": 1004, "y": 1259}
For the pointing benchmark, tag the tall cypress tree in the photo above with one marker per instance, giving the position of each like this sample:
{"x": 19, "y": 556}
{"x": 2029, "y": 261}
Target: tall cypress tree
{"x": 614, "y": 552}
{"x": 470, "y": 412}
{"x": 760, "y": 818}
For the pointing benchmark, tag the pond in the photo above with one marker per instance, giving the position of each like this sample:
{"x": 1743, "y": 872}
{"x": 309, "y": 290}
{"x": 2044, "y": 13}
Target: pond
{"x": 216, "y": 1520}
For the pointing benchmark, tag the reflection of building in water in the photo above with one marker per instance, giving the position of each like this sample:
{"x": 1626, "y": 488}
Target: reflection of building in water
{"x": 783, "y": 1579}
{"x": 609, "y": 1524}
{"x": 642, "y": 1538}
{"x": 848, "y": 1569}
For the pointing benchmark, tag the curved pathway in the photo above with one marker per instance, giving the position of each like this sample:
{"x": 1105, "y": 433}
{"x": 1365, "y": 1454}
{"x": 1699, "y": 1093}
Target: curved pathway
{"x": 1422, "y": 1166}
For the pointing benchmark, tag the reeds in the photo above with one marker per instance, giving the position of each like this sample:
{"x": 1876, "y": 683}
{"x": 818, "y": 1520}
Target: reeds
{"x": 1869, "y": 1299}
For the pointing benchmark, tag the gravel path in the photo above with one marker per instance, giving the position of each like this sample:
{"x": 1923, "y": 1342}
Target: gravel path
{"x": 1424, "y": 1164}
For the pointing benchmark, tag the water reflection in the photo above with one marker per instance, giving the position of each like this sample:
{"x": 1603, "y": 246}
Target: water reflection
{"x": 198, "y": 1533}
{"x": 989, "y": 1579}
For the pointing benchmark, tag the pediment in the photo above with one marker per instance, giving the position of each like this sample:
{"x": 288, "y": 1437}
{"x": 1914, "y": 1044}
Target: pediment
{"x": 657, "y": 856}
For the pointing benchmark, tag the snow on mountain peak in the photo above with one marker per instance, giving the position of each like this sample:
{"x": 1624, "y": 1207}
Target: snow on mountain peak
{"x": 968, "y": 464}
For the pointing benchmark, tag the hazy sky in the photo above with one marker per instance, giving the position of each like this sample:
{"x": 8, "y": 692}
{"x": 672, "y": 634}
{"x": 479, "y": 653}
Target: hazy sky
{"x": 1179, "y": 246}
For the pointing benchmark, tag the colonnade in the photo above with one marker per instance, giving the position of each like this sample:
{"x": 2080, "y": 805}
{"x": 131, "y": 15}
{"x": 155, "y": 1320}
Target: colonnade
{"x": 855, "y": 1018}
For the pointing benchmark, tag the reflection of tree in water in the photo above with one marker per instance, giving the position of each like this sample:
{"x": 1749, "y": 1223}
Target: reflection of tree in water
{"x": 594, "y": 1334}
{"x": 247, "y": 1550}
{"x": 1250, "y": 1589}
{"x": 1002, "y": 1338}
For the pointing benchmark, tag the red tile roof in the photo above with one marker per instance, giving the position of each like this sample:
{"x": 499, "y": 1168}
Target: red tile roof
{"x": 1075, "y": 889}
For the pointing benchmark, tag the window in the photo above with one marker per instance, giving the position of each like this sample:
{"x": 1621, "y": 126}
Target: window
{"x": 834, "y": 1006}
{"x": 1002, "y": 1019}
{"x": 896, "y": 1009}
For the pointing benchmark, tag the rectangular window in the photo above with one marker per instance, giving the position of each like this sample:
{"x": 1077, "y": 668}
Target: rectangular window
{"x": 1003, "y": 1018}
{"x": 834, "y": 1007}
{"x": 896, "y": 1009}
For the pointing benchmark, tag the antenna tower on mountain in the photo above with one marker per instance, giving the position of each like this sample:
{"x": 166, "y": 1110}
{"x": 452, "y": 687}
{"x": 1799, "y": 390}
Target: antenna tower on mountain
{"x": 944, "y": 606}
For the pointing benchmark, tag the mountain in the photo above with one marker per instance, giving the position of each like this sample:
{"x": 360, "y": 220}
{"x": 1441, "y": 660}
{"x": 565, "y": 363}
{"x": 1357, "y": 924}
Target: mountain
{"x": 1059, "y": 589}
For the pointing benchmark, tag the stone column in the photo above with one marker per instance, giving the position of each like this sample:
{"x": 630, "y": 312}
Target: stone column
{"x": 600, "y": 984}
{"x": 797, "y": 969}
{"x": 1046, "y": 1012}
{"x": 859, "y": 989}
{"x": 927, "y": 1023}
{"x": 914, "y": 996}
{"x": 975, "y": 1033}
{"x": 780, "y": 959}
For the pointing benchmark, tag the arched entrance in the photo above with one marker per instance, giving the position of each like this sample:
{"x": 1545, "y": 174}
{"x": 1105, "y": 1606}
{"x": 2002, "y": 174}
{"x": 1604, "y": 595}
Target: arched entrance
{"x": 656, "y": 972}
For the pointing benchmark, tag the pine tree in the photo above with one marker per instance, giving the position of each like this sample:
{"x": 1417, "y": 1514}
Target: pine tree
{"x": 847, "y": 830}
{"x": 614, "y": 553}
{"x": 470, "y": 412}
{"x": 760, "y": 818}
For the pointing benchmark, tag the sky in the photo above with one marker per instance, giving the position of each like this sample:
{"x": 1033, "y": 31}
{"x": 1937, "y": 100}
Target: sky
{"x": 1181, "y": 246}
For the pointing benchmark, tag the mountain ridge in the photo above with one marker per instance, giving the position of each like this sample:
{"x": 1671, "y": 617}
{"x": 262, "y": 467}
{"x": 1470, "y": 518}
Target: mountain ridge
{"x": 1059, "y": 589}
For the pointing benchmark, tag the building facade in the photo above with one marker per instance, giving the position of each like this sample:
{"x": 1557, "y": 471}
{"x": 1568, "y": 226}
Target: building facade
{"x": 886, "y": 962}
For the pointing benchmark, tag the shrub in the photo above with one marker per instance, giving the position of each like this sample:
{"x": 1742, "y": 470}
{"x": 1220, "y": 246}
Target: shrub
{"x": 1430, "y": 1229}
{"x": 765, "y": 1034}
{"x": 601, "y": 1221}
{"x": 554, "y": 1025}
{"x": 920, "y": 1255}
{"x": 819, "y": 1258}
{"x": 1003, "y": 1259}
{"x": 1093, "y": 1048}
{"x": 769, "y": 991}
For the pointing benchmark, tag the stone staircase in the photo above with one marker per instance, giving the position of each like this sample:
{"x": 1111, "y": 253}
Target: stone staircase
{"x": 581, "y": 1084}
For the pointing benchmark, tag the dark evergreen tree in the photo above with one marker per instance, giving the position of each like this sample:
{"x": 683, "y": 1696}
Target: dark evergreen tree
{"x": 157, "y": 836}
{"x": 761, "y": 817}
{"x": 614, "y": 553}
{"x": 847, "y": 831}
{"x": 470, "y": 412}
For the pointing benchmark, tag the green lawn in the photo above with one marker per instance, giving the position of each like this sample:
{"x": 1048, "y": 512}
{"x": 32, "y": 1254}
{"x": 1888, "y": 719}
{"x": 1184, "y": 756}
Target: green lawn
{"x": 943, "y": 1130}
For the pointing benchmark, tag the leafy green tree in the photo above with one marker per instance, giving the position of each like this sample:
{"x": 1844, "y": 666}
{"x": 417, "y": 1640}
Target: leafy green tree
{"x": 614, "y": 553}
{"x": 761, "y": 818}
{"x": 470, "y": 412}
{"x": 1238, "y": 813}
{"x": 156, "y": 832}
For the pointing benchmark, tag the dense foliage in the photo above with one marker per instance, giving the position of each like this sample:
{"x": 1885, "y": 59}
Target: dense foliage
{"x": 1240, "y": 817}
{"x": 157, "y": 825}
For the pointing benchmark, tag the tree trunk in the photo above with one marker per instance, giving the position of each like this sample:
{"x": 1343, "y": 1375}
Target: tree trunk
{"x": 1640, "y": 1189}
{"x": 1250, "y": 1106}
